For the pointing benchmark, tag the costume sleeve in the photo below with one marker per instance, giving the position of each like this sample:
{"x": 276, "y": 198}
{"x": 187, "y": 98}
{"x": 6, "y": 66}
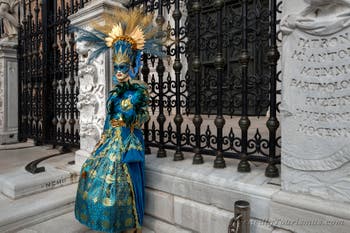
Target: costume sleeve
{"x": 107, "y": 125}
{"x": 134, "y": 108}
{"x": 143, "y": 114}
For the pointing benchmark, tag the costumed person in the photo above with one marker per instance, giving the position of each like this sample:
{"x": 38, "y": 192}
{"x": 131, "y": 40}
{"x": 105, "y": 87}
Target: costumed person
{"x": 110, "y": 194}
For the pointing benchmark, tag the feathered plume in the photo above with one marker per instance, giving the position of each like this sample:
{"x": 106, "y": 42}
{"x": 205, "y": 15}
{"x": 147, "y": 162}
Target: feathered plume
{"x": 132, "y": 26}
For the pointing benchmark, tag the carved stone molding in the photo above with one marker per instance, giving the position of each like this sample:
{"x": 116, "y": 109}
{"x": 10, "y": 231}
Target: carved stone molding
{"x": 91, "y": 99}
{"x": 332, "y": 185}
{"x": 94, "y": 79}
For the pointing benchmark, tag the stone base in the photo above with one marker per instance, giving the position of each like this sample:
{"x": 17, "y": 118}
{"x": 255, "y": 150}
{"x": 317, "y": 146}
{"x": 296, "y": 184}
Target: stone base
{"x": 8, "y": 137}
{"x": 181, "y": 197}
{"x": 329, "y": 185}
{"x": 19, "y": 182}
{"x": 200, "y": 198}
{"x": 307, "y": 214}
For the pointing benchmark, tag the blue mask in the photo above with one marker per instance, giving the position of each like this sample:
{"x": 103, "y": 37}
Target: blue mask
{"x": 122, "y": 67}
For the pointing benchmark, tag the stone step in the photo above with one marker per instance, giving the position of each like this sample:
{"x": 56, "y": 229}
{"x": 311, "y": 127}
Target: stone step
{"x": 35, "y": 208}
{"x": 14, "y": 184}
{"x": 65, "y": 223}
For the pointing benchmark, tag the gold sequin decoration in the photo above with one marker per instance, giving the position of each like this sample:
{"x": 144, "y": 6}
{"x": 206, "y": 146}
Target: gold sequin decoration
{"x": 109, "y": 179}
{"x": 85, "y": 195}
{"x": 133, "y": 194}
{"x": 128, "y": 221}
{"x": 83, "y": 217}
{"x": 112, "y": 157}
{"x": 107, "y": 202}
{"x": 105, "y": 224}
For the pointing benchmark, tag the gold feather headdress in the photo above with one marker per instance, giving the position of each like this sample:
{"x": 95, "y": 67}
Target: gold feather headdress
{"x": 132, "y": 26}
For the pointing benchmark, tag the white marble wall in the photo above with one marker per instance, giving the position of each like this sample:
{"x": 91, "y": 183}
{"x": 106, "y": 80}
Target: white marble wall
{"x": 94, "y": 78}
{"x": 8, "y": 93}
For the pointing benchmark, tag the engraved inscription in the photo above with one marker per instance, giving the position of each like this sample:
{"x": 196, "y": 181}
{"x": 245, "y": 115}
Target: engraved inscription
{"x": 54, "y": 183}
{"x": 320, "y": 131}
{"x": 321, "y": 86}
{"x": 322, "y": 79}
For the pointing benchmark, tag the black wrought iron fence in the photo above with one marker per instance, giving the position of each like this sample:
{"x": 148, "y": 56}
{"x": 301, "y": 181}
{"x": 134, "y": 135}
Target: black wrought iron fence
{"x": 48, "y": 64}
{"x": 216, "y": 92}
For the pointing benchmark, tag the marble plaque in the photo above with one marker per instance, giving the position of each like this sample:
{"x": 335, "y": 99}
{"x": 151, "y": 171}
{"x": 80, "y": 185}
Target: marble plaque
{"x": 316, "y": 89}
{"x": 316, "y": 100}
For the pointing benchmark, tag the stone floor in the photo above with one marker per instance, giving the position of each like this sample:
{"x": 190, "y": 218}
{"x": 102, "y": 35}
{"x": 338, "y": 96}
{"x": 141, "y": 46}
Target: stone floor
{"x": 43, "y": 212}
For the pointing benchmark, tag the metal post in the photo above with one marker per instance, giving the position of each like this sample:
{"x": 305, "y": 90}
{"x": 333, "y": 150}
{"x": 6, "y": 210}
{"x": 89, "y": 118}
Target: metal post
{"x": 219, "y": 121}
{"x": 160, "y": 70}
{"x": 241, "y": 222}
{"x": 244, "y": 122}
{"x": 145, "y": 73}
{"x": 196, "y": 67}
{"x": 272, "y": 123}
{"x": 177, "y": 68}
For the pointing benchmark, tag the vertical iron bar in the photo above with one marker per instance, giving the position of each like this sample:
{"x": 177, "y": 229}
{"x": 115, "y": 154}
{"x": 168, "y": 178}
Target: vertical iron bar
{"x": 196, "y": 67}
{"x": 54, "y": 74}
{"x": 45, "y": 71}
{"x": 71, "y": 7}
{"x": 272, "y": 123}
{"x": 160, "y": 70}
{"x": 71, "y": 83}
{"x": 25, "y": 76}
{"x": 37, "y": 72}
{"x": 177, "y": 68}
{"x": 33, "y": 112}
{"x": 145, "y": 72}
{"x": 20, "y": 75}
{"x": 244, "y": 121}
{"x": 219, "y": 122}
{"x": 63, "y": 83}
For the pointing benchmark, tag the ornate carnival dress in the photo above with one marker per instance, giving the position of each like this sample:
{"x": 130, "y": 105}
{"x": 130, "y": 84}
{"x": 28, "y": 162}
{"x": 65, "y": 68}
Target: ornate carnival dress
{"x": 110, "y": 194}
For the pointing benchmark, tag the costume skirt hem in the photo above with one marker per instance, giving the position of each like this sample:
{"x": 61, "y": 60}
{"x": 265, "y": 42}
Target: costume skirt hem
{"x": 95, "y": 228}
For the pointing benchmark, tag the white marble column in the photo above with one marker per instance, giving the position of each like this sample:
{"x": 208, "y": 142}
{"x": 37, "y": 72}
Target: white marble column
{"x": 8, "y": 92}
{"x": 95, "y": 80}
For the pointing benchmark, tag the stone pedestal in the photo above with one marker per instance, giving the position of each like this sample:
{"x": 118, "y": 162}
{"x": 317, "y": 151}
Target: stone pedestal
{"x": 8, "y": 93}
{"x": 95, "y": 80}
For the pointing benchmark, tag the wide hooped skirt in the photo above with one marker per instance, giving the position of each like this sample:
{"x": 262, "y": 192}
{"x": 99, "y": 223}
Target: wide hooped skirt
{"x": 110, "y": 194}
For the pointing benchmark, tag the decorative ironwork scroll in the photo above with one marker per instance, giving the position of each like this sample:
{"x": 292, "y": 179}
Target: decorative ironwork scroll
{"x": 48, "y": 65}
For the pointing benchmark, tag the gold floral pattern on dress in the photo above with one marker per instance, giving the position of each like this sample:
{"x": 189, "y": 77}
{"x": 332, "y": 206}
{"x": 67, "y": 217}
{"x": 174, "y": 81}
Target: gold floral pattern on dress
{"x": 126, "y": 104}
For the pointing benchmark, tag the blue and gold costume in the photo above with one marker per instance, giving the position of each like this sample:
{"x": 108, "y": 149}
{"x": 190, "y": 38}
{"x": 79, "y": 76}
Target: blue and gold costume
{"x": 110, "y": 195}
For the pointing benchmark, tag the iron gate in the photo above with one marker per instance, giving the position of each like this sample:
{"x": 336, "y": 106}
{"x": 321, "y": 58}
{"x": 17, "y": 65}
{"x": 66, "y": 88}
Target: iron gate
{"x": 48, "y": 63}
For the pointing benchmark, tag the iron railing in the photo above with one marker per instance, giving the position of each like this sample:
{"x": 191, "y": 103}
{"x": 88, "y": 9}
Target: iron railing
{"x": 48, "y": 65}
{"x": 216, "y": 91}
